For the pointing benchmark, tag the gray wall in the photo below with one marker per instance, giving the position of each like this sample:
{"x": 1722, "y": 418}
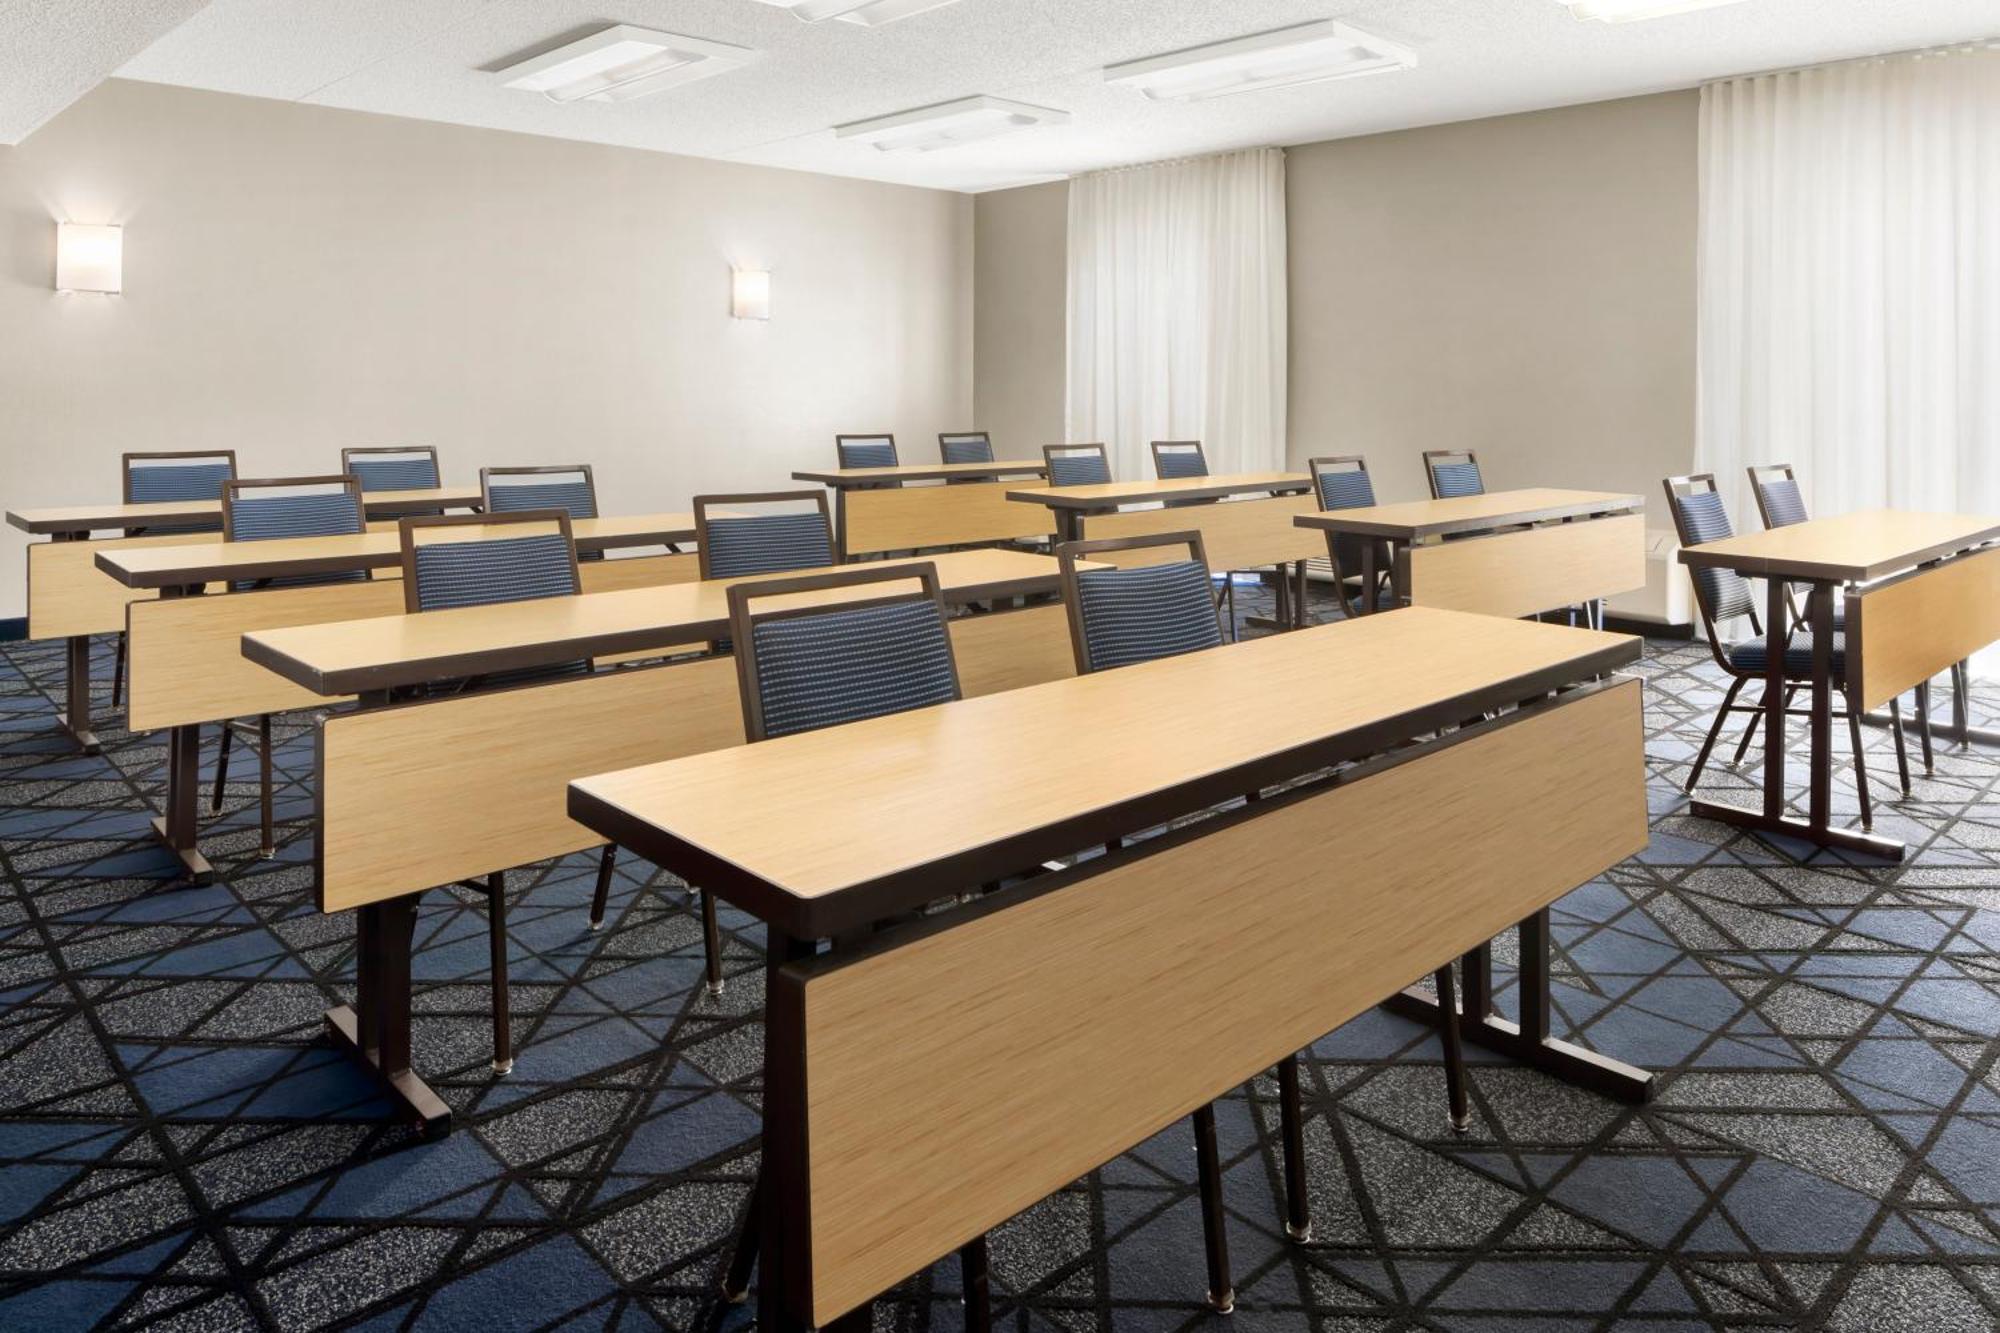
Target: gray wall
{"x": 299, "y": 278}
{"x": 1523, "y": 286}
{"x": 1022, "y": 281}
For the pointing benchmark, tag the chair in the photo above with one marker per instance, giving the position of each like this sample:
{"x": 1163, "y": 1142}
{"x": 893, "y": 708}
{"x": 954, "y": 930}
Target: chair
{"x": 802, "y": 669}
{"x": 972, "y": 446}
{"x": 570, "y": 487}
{"x": 1122, "y": 617}
{"x": 1175, "y": 459}
{"x": 1077, "y": 464}
{"x": 732, "y": 545}
{"x": 153, "y": 478}
{"x": 392, "y": 467}
{"x": 1342, "y": 482}
{"x": 1453, "y": 473}
{"x": 1781, "y": 504}
{"x": 1724, "y": 595}
{"x": 271, "y": 511}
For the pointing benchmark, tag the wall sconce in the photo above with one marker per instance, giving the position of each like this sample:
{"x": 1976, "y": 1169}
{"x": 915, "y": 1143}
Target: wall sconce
{"x": 750, "y": 293}
{"x": 89, "y": 258}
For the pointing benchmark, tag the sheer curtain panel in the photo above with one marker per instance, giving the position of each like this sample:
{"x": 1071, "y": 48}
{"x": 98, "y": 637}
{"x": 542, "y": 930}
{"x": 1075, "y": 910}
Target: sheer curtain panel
{"x": 1177, "y": 315}
{"x": 1850, "y": 282}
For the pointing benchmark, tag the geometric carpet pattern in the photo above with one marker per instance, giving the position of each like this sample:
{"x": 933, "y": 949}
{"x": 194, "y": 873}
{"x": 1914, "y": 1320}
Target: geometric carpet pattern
{"x": 180, "y": 1149}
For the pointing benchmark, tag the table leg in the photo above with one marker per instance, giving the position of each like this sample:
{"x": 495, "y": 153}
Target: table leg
{"x": 1527, "y": 1041}
{"x": 177, "y": 828}
{"x": 1772, "y": 818}
{"x": 75, "y": 717}
{"x": 1370, "y": 603}
{"x": 1399, "y": 592}
{"x": 375, "y": 1032}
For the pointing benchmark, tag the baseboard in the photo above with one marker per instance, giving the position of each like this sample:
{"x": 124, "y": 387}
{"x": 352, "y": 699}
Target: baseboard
{"x": 1649, "y": 628}
{"x": 14, "y": 629}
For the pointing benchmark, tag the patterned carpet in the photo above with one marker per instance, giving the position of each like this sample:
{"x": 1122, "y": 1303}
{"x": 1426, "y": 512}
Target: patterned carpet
{"x": 179, "y": 1149}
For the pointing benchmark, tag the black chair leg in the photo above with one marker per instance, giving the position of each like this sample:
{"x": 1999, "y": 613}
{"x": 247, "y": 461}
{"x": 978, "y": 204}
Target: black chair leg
{"x": 1454, "y": 1051}
{"x": 1961, "y": 702}
{"x": 1292, "y": 1127}
{"x": 1860, "y": 769}
{"x": 221, "y": 768}
{"x": 1924, "y": 727}
{"x": 742, "y": 1259}
{"x": 972, "y": 1270}
{"x": 1221, "y": 1294}
{"x": 118, "y": 672}
{"x": 603, "y": 893}
{"x": 269, "y": 847}
{"x": 711, "y": 942}
{"x": 1721, "y": 716}
{"x": 496, "y": 935}
{"x": 1902, "y": 749}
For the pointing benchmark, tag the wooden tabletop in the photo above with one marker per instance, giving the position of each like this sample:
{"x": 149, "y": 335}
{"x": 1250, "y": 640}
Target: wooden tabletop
{"x": 864, "y": 476}
{"x": 205, "y": 562}
{"x": 348, "y": 657}
{"x": 823, "y": 830}
{"x": 1852, "y": 548}
{"x": 117, "y": 517}
{"x": 1414, "y": 519}
{"x": 1109, "y": 495}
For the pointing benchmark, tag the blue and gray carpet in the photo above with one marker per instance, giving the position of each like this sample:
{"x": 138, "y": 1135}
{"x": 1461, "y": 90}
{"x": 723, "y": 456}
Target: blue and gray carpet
{"x": 179, "y": 1149}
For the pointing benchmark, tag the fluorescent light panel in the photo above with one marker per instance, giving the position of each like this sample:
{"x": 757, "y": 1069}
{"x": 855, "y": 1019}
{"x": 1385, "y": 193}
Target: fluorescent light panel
{"x": 1287, "y": 58}
{"x": 868, "y": 13}
{"x": 622, "y": 62}
{"x": 1631, "y": 11}
{"x": 949, "y": 124}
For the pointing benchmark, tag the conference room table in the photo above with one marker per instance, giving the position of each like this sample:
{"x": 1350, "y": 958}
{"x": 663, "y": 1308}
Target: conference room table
{"x": 1920, "y": 594}
{"x": 1248, "y": 527}
{"x": 1505, "y": 553}
{"x": 417, "y": 790}
{"x": 926, "y": 1080}
{"x": 70, "y": 599}
{"x": 184, "y": 651}
{"x": 915, "y": 507}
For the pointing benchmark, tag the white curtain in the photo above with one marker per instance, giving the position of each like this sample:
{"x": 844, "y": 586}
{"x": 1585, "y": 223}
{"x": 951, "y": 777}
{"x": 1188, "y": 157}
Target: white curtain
{"x": 1177, "y": 317}
{"x": 1850, "y": 283}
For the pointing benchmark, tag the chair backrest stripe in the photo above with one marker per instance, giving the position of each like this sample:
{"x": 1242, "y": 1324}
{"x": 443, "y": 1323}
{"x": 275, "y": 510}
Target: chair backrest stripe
{"x": 1346, "y": 490}
{"x": 871, "y": 452}
{"x": 1456, "y": 479}
{"x": 1137, "y": 615}
{"x": 267, "y": 517}
{"x": 965, "y": 448}
{"x": 395, "y": 474}
{"x": 834, "y": 667}
{"x": 767, "y": 543}
{"x": 576, "y": 497}
{"x": 1088, "y": 469}
{"x": 501, "y": 569}
{"x": 178, "y": 481}
{"x": 1724, "y": 592}
{"x": 1784, "y": 505}
{"x": 1176, "y": 463}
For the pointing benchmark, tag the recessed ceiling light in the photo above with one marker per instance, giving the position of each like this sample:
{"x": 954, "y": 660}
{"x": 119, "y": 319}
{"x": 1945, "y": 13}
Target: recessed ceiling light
{"x": 869, "y": 13}
{"x": 949, "y": 124}
{"x": 623, "y": 62}
{"x": 1629, "y": 11}
{"x": 1308, "y": 53}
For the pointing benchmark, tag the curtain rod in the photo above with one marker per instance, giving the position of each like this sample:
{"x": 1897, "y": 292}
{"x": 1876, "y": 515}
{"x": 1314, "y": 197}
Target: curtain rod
{"x": 1177, "y": 161}
{"x": 1919, "y": 53}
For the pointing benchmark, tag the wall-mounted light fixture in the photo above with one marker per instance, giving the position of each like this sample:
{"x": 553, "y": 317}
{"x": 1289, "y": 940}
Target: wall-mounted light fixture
{"x": 89, "y": 258}
{"x": 750, "y": 293}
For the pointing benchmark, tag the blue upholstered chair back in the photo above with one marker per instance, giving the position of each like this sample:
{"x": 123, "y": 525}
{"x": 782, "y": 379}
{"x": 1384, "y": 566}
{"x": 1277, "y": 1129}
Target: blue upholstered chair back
{"x": 965, "y": 448}
{"x": 1724, "y": 593}
{"x": 1135, "y": 615}
{"x": 866, "y": 450}
{"x": 1174, "y": 464}
{"x": 571, "y": 492}
{"x": 498, "y": 569}
{"x": 1783, "y": 504}
{"x": 767, "y": 544}
{"x": 388, "y": 472}
{"x": 1451, "y": 480}
{"x": 309, "y": 509}
{"x": 838, "y": 666}
{"x": 166, "y": 482}
{"x": 1079, "y": 469}
{"x": 1346, "y": 489}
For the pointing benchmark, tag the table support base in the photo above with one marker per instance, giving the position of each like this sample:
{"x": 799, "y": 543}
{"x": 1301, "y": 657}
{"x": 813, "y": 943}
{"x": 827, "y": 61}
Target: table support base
{"x": 375, "y": 1032}
{"x": 86, "y": 739}
{"x": 1947, "y": 731}
{"x": 76, "y": 694}
{"x": 198, "y": 867}
{"x": 413, "y": 1098}
{"x": 1867, "y": 844}
{"x": 1528, "y": 1041}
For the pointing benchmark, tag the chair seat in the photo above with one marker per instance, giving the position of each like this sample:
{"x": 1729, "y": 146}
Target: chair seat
{"x": 1750, "y": 657}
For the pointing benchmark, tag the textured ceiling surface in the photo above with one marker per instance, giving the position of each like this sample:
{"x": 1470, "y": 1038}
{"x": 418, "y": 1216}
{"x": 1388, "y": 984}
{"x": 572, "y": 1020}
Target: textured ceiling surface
{"x": 54, "y": 51}
{"x": 434, "y": 60}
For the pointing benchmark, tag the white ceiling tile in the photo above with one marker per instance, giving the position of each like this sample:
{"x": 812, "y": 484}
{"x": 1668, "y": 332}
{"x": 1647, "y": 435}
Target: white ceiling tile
{"x": 54, "y": 51}
{"x": 431, "y": 59}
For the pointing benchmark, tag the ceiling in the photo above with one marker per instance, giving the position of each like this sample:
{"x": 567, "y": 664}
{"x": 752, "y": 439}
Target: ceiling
{"x": 432, "y": 59}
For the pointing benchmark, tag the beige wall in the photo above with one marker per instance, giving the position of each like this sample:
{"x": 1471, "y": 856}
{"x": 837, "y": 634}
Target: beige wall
{"x": 299, "y": 278}
{"x": 1523, "y": 286}
{"x": 1020, "y": 248}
